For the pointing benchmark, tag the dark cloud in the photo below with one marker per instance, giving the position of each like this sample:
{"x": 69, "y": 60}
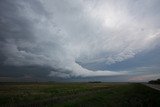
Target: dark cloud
{"x": 78, "y": 38}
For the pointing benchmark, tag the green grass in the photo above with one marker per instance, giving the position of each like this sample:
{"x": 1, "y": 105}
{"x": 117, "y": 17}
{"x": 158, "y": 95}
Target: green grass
{"x": 79, "y": 95}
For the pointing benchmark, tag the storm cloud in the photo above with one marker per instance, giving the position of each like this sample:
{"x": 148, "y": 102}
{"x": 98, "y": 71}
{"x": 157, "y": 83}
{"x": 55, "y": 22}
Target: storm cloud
{"x": 72, "y": 38}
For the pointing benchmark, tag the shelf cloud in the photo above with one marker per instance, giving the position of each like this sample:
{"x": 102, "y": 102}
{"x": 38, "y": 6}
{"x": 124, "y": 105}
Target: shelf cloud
{"x": 70, "y": 36}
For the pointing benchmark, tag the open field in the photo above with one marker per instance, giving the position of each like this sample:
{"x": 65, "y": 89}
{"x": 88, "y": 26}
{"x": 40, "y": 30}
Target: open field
{"x": 78, "y": 95}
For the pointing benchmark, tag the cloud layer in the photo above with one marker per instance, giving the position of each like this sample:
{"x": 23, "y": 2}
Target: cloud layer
{"x": 65, "y": 35}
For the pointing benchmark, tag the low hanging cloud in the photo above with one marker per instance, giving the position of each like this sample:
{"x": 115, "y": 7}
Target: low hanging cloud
{"x": 63, "y": 34}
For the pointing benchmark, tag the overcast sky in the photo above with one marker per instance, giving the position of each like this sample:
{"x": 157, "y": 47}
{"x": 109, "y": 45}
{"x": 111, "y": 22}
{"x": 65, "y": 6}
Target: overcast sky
{"x": 108, "y": 40}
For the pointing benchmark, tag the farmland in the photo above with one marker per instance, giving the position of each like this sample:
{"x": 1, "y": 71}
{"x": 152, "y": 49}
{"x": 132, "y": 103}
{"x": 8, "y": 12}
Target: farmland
{"x": 78, "y": 95}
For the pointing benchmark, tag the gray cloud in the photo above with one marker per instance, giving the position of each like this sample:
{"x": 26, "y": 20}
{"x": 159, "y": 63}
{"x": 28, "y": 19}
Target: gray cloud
{"x": 64, "y": 34}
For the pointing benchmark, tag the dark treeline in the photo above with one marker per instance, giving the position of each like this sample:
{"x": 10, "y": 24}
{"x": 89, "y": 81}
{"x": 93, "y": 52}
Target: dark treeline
{"x": 154, "y": 81}
{"x": 94, "y": 82}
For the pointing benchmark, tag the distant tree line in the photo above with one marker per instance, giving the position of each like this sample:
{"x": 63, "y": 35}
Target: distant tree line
{"x": 95, "y": 82}
{"x": 154, "y": 81}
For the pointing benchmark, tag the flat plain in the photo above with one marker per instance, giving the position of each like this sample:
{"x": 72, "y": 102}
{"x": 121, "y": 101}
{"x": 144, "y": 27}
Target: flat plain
{"x": 78, "y": 95}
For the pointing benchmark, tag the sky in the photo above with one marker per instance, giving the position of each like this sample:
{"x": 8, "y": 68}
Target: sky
{"x": 79, "y": 40}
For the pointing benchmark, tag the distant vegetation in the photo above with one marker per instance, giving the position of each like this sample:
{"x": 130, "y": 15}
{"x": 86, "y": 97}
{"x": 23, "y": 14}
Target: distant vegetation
{"x": 154, "y": 81}
{"x": 78, "y": 95}
{"x": 95, "y": 82}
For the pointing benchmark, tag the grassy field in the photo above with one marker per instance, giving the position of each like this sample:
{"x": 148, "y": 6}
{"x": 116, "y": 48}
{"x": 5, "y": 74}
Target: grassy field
{"x": 78, "y": 95}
